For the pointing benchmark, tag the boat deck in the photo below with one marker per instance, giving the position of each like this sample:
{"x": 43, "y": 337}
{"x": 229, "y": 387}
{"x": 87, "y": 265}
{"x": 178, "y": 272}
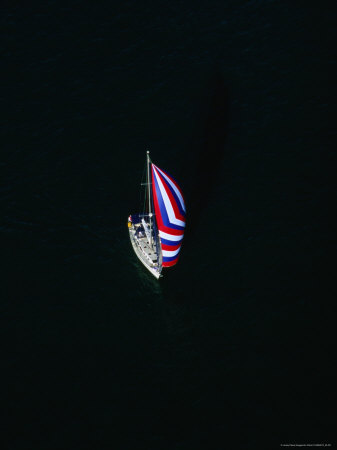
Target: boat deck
{"x": 149, "y": 252}
{"x": 145, "y": 253}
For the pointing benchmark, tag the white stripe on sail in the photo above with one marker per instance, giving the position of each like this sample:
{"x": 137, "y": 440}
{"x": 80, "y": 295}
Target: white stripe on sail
{"x": 170, "y": 254}
{"x": 174, "y": 188}
{"x": 170, "y": 237}
{"x": 167, "y": 202}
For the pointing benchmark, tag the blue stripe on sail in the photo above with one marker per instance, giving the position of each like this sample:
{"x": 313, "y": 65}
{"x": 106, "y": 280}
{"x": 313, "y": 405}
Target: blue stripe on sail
{"x": 162, "y": 208}
{"x": 182, "y": 212}
{"x": 172, "y": 178}
{"x": 178, "y": 203}
{"x": 166, "y": 242}
{"x": 170, "y": 258}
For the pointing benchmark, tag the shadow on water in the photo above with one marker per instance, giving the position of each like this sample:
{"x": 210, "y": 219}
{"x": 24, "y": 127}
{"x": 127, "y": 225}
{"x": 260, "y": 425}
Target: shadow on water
{"x": 148, "y": 284}
{"x": 201, "y": 173}
{"x": 203, "y": 157}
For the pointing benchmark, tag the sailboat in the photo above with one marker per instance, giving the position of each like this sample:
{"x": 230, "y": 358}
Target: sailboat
{"x": 157, "y": 233}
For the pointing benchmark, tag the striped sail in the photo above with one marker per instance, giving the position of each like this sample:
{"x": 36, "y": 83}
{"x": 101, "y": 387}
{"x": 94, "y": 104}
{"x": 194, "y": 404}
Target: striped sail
{"x": 169, "y": 207}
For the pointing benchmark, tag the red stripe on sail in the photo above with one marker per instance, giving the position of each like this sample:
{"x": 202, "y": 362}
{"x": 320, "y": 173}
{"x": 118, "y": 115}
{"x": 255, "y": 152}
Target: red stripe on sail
{"x": 170, "y": 248}
{"x": 173, "y": 181}
{"x": 170, "y": 263}
{"x": 159, "y": 219}
{"x": 173, "y": 201}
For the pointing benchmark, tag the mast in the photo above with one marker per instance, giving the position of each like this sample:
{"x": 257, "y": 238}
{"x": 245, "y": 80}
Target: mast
{"x": 149, "y": 192}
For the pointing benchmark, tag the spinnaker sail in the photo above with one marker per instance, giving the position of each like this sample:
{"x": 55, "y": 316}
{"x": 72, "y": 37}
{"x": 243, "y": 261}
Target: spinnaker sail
{"x": 170, "y": 213}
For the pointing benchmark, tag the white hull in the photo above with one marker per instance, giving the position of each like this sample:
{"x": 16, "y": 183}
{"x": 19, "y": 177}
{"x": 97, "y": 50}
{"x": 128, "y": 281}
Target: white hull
{"x": 145, "y": 253}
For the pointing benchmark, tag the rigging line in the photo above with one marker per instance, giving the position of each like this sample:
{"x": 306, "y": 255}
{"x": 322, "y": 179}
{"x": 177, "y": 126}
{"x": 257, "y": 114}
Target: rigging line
{"x": 141, "y": 192}
{"x": 145, "y": 190}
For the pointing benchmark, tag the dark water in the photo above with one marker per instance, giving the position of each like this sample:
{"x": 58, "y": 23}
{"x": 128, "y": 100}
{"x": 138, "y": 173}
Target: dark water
{"x": 233, "y": 348}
